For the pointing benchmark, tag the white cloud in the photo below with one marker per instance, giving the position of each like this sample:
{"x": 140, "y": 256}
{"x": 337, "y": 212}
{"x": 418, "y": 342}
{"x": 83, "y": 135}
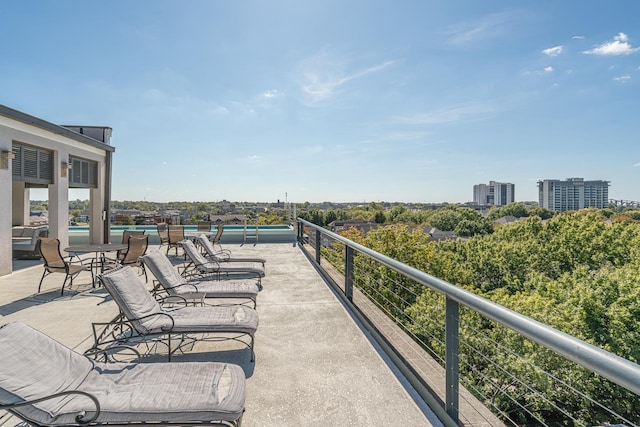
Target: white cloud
{"x": 553, "y": 51}
{"x": 637, "y": 165}
{"x": 323, "y": 75}
{"x": 271, "y": 93}
{"x": 487, "y": 27}
{"x": 622, "y": 79}
{"x": 577, "y": 37}
{"x": 619, "y": 46}
{"x": 545, "y": 70}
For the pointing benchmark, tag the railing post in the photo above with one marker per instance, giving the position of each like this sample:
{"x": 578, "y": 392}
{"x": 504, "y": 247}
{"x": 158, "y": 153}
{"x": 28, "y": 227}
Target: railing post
{"x": 318, "y": 245}
{"x": 348, "y": 272}
{"x": 300, "y": 230}
{"x": 452, "y": 344}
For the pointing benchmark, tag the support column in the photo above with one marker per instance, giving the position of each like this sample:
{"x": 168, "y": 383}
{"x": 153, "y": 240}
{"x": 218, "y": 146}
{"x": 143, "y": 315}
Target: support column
{"x": 96, "y": 216}
{"x": 20, "y": 209}
{"x": 59, "y": 200}
{"x": 5, "y": 213}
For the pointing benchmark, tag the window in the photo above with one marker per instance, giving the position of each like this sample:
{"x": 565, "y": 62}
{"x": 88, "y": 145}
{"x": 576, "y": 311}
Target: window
{"x": 84, "y": 173}
{"x": 31, "y": 164}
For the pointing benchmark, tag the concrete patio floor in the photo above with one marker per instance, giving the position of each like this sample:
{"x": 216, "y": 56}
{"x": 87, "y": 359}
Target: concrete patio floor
{"x": 314, "y": 364}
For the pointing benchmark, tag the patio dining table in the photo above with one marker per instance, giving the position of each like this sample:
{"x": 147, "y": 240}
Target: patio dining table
{"x": 100, "y": 249}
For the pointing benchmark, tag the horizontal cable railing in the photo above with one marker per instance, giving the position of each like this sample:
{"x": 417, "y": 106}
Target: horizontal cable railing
{"x": 465, "y": 355}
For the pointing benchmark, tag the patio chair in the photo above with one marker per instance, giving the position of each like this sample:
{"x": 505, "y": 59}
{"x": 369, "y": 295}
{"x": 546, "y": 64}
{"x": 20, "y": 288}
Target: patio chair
{"x": 125, "y": 239}
{"x": 210, "y": 252}
{"x": 163, "y": 233}
{"x": 54, "y": 262}
{"x": 204, "y": 225}
{"x": 176, "y": 235}
{"x": 45, "y": 383}
{"x": 137, "y": 245}
{"x": 170, "y": 280}
{"x": 216, "y": 240}
{"x": 143, "y": 319}
{"x": 199, "y": 266}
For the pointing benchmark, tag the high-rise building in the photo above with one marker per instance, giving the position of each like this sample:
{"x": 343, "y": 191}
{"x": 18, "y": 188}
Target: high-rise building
{"x": 572, "y": 194}
{"x": 494, "y": 193}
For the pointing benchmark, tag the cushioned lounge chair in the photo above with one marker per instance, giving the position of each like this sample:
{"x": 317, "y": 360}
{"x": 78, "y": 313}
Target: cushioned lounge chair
{"x": 45, "y": 383}
{"x": 143, "y": 319}
{"x": 168, "y": 279}
{"x": 210, "y": 252}
{"x": 199, "y": 266}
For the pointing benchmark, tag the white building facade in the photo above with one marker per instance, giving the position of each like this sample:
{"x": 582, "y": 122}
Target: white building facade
{"x": 494, "y": 193}
{"x": 572, "y": 194}
{"x": 35, "y": 153}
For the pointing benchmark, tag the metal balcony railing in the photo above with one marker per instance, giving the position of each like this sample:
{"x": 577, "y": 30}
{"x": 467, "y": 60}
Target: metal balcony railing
{"x": 464, "y": 357}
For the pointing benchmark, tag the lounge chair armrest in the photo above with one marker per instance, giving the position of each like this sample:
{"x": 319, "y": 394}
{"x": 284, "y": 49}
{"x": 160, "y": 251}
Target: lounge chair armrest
{"x": 223, "y": 256}
{"x": 173, "y": 299}
{"x": 153, "y": 315}
{"x": 111, "y": 333}
{"x": 93, "y": 352}
{"x": 212, "y": 264}
{"x": 188, "y": 285}
{"x": 80, "y": 418}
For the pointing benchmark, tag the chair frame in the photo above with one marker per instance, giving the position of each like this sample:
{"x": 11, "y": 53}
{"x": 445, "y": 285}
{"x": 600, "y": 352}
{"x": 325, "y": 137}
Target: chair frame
{"x": 59, "y": 265}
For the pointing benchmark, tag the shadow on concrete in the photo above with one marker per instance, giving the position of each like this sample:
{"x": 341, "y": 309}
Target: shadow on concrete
{"x": 50, "y": 296}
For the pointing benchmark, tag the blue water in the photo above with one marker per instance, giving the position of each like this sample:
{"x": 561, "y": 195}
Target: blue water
{"x": 231, "y": 234}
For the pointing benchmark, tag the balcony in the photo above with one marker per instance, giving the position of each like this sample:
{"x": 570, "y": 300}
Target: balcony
{"x": 314, "y": 365}
{"x": 327, "y": 354}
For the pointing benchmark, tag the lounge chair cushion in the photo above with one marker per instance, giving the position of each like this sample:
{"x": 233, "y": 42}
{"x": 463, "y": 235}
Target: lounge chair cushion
{"x": 34, "y": 365}
{"x": 224, "y": 289}
{"x": 162, "y": 268}
{"x": 135, "y": 301}
{"x": 233, "y": 318}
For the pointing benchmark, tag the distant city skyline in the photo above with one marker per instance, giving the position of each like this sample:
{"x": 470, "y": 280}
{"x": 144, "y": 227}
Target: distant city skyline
{"x": 336, "y": 101}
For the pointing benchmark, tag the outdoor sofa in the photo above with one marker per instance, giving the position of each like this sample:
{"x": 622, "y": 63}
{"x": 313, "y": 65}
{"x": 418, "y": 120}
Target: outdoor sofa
{"x": 25, "y": 241}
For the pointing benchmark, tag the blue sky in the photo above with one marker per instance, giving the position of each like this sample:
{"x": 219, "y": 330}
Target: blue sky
{"x": 412, "y": 101}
